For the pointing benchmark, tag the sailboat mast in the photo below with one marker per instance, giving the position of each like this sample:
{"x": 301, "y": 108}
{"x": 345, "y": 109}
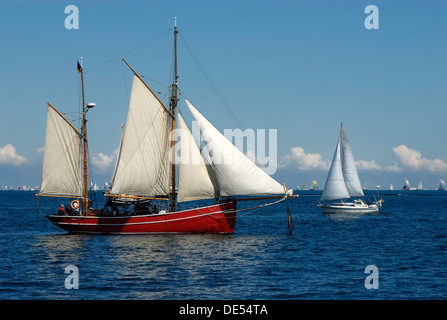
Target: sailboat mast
{"x": 84, "y": 133}
{"x": 173, "y": 106}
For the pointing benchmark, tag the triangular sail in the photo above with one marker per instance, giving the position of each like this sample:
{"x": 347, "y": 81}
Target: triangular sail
{"x": 441, "y": 185}
{"x": 406, "y": 185}
{"x": 197, "y": 179}
{"x": 350, "y": 174}
{"x": 144, "y": 168}
{"x": 335, "y": 187}
{"x": 237, "y": 174}
{"x": 62, "y": 163}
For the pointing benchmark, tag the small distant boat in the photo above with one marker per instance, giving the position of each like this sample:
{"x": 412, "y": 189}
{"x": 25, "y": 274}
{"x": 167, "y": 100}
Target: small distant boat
{"x": 391, "y": 187}
{"x": 314, "y": 186}
{"x": 304, "y": 187}
{"x": 441, "y": 186}
{"x": 420, "y": 186}
{"x": 343, "y": 183}
{"x": 406, "y": 185}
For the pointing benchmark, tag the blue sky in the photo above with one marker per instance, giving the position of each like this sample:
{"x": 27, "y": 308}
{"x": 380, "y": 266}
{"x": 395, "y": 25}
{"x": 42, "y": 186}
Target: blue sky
{"x": 300, "y": 67}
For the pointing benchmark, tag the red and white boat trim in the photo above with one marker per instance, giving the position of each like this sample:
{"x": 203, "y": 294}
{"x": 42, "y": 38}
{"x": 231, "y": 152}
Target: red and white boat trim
{"x": 218, "y": 218}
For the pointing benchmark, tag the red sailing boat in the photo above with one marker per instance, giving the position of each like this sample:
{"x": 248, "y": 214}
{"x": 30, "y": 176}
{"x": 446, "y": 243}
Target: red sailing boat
{"x": 144, "y": 197}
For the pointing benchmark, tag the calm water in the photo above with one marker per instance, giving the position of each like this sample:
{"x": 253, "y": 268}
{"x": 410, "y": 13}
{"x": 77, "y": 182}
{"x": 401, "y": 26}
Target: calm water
{"x": 324, "y": 258}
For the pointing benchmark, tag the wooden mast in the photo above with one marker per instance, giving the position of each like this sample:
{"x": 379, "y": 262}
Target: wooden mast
{"x": 173, "y": 105}
{"x": 84, "y": 133}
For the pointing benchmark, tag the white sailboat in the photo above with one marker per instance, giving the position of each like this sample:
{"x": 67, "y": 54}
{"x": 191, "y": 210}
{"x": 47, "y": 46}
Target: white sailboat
{"x": 406, "y": 185}
{"x": 441, "y": 186}
{"x": 343, "y": 183}
{"x": 420, "y": 186}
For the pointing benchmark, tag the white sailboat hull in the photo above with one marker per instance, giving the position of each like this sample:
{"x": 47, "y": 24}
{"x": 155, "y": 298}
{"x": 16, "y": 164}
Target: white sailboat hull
{"x": 350, "y": 207}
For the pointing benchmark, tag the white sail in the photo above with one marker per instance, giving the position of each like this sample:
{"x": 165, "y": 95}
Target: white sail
{"x": 350, "y": 174}
{"x": 420, "y": 186}
{"x": 144, "y": 167}
{"x": 62, "y": 162}
{"x": 236, "y": 174}
{"x": 441, "y": 185}
{"x": 197, "y": 179}
{"x": 406, "y": 185}
{"x": 335, "y": 187}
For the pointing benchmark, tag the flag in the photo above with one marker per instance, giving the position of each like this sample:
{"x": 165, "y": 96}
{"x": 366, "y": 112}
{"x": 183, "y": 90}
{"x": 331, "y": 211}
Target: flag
{"x": 290, "y": 221}
{"x": 79, "y": 67}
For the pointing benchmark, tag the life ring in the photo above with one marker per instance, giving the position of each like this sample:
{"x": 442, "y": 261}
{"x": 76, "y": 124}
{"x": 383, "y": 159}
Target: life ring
{"x": 74, "y": 204}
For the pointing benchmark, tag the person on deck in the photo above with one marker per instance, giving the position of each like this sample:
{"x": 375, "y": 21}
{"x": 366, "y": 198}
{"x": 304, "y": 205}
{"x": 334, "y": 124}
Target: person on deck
{"x": 132, "y": 210}
{"x": 61, "y": 210}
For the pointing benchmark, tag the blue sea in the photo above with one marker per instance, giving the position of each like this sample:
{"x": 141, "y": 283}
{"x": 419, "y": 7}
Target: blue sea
{"x": 327, "y": 257}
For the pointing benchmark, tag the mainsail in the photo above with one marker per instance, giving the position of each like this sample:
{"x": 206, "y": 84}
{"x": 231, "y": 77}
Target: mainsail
{"x": 236, "y": 173}
{"x": 143, "y": 168}
{"x": 62, "y": 163}
{"x": 350, "y": 174}
{"x": 343, "y": 180}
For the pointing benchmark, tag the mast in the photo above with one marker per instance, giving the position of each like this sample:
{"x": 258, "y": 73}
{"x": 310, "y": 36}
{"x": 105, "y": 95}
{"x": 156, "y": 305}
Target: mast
{"x": 84, "y": 133}
{"x": 173, "y": 105}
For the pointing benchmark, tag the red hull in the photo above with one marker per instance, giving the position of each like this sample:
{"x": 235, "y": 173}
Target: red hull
{"x": 219, "y": 218}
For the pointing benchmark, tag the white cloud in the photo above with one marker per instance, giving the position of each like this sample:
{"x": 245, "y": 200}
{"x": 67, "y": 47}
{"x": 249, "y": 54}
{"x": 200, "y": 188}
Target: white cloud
{"x": 102, "y": 162}
{"x": 8, "y": 155}
{"x": 412, "y": 159}
{"x": 367, "y": 165}
{"x": 305, "y": 161}
{"x": 393, "y": 168}
{"x": 406, "y": 160}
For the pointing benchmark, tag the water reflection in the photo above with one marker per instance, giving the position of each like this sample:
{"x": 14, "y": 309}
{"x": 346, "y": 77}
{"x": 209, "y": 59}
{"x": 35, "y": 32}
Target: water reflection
{"x": 156, "y": 266}
{"x": 344, "y": 215}
{"x": 69, "y": 247}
